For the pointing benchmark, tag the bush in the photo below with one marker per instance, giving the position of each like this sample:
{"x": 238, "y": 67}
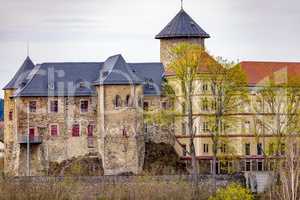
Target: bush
{"x": 233, "y": 192}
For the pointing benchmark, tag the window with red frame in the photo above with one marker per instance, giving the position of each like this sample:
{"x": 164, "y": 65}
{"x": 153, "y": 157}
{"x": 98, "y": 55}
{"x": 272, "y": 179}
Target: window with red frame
{"x": 84, "y": 106}
{"x": 76, "y": 130}
{"x": 10, "y": 115}
{"x": 32, "y": 106}
{"x": 90, "y": 130}
{"x": 54, "y": 130}
{"x": 54, "y": 106}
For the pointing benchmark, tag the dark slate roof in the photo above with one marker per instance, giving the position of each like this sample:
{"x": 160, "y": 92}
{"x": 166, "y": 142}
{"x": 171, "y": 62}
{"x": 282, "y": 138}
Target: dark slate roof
{"x": 152, "y": 74}
{"x": 116, "y": 71}
{"x": 62, "y": 79}
{"x": 182, "y": 25}
{"x": 20, "y": 78}
{"x": 79, "y": 79}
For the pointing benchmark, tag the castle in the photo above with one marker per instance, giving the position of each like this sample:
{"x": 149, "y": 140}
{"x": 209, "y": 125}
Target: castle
{"x": 67, "y": 110}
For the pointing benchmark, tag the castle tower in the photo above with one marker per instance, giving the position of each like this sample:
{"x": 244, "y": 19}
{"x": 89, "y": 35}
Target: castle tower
{"x": 182, "y": 28}
{"x": 10, "y": 121}
{"x": 120, "y": 118}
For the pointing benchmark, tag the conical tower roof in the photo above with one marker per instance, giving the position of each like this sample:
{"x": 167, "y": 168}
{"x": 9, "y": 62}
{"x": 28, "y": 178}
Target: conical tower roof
{"x": 182, "y": 25}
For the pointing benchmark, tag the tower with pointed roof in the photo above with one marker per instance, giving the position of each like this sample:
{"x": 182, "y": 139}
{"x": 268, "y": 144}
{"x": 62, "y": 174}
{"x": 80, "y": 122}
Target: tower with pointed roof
{"x": 182, "y": 28}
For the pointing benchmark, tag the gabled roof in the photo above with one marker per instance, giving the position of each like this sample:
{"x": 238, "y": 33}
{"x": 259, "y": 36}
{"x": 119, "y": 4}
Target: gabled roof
{"x": 257, "y": 72}
{"x": 20, "y": 78}
{"x": 182, "y": 25}
{"x": 62, "y": 79}
{"x": 79, "y": 79}
{"x": 116, "y": 71}
{"x": 152, "y": 74}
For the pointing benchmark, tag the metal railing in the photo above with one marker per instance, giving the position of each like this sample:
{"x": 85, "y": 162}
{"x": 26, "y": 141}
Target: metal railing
{"x": 32, "y": 139}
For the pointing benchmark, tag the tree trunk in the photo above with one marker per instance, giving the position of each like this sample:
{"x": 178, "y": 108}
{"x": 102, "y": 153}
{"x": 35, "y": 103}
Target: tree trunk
{"x": 191, "y": 134}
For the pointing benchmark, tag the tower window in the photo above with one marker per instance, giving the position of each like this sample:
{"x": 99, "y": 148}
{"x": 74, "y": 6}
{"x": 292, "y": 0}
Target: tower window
{"x": 146, "y": 105}
{"x": 118, "y": 101}
{"x": 128, "y": 102}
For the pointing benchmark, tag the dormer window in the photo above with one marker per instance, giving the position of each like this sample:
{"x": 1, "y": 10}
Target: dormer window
{"x": 51, "y": 86}
{"x": 82, "y": 84}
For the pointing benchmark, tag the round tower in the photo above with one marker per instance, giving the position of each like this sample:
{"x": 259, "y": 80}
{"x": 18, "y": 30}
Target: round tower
{"x": 182, "y": 28}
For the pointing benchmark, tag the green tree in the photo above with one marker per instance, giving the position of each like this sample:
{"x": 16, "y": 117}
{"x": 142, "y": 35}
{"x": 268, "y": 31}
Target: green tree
{"x": 228, "y": 94}
{"x": 233, "y": 192}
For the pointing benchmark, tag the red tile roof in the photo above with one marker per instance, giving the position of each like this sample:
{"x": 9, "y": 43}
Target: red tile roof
{"x": 257, "y": 71}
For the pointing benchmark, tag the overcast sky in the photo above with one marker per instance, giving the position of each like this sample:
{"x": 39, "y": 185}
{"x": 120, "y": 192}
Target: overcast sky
{"x": 92, "y": 30}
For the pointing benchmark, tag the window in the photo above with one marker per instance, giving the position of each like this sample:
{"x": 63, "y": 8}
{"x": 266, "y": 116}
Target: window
{"x": 247, "y": 149}
{"x": 124, "y": 132}
{"x": 164, "y": 105}
{"x": 128, "y": 102}
{"x": 248, "y": 165}
{"x": 118, "y": 101}
{"x": 146, "y": 105}
{"x": 259, "y": 149}
{"x": 205, "y": 127}
{"x": 223, "y": 148}
{"x": 271, "y": 149}
{"x": 183, "y": 128}
{"x": 184, "y": 150}
{"x": 204, "y": 87}
{"x": 90, "y": 130}
{"x": 84, "y": 106}
{"x": 205, "y": 105}
{"x": 213, "y": 105}
{"x": 282, "y": 149}
{"x": 247, "y": 126}
{"x": 32, "y": 106}
{"x": 76, "y": 130}
{"x": 259, "y": 165}
{"x": 10, "y": 115}
{"x": 54, "y": 130}
{"x": 205, "y": 148}
{"x": 31, "y": 134}
{"x": 54, "y": 106}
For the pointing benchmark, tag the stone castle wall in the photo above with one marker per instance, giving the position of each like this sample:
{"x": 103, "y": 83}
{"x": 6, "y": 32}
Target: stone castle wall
{"x": 167, "y": 44}
{"x": 122, "y": 138}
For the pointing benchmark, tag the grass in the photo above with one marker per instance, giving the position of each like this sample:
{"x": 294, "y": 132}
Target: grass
{"x": 73, "y": 190}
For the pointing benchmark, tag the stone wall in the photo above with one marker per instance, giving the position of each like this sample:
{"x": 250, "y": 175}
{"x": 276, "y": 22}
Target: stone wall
{"x": 167, "y": 44}
{"x": 121, "y": 129}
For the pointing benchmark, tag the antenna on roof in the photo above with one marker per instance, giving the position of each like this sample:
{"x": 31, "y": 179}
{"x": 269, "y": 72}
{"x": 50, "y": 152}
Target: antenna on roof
{"x": 181, "y": 4}
{"x": 27, "y": 49}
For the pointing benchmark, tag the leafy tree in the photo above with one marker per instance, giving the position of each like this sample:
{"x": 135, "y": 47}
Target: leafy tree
{"x": 233, "y": 192}
{"x": 228, "y": 93}
{"x": 185, "y": 61}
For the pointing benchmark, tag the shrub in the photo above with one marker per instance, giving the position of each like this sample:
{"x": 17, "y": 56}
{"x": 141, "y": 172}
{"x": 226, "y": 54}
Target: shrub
{"x": 233, "y": 192}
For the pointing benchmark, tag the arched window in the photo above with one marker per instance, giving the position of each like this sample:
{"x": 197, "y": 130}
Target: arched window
{"x": 118, "y": 101}
{"x": 128, "y": 102}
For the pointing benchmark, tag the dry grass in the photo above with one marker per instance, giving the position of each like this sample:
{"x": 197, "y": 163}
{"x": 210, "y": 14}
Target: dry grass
{"x": 71, "y": 190}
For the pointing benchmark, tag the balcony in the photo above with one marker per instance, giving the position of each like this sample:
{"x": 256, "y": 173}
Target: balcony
{"x": 32, "y": 139}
